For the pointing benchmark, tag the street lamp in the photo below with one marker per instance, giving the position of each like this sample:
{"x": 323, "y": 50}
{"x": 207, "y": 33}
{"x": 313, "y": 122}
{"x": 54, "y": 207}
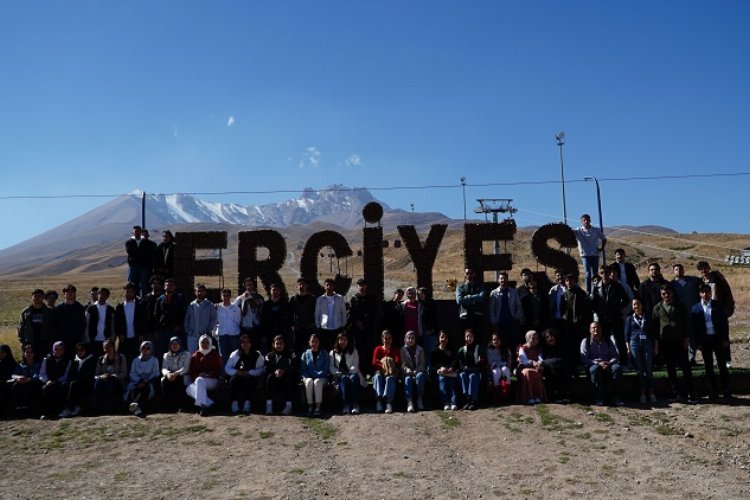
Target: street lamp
{"x": 560, "y": 138}
{"x": 463, "y": 188}
{"x": 601, "y": 223}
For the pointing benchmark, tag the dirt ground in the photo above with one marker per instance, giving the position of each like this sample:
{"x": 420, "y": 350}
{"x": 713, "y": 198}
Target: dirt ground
{"x": 548, "y": 451}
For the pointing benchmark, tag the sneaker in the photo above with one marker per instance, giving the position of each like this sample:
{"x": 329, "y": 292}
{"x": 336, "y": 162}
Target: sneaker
{"x": 235, "y": 407}
{"x": 309, "y": 410}
{"x": 379, "y": 407}
{"x": 316, "y": 412}
{"x": 43, "y": 417}
{"x": 75, "y": 411}
{"x": 617, "y": 402}
{"x": 203, "y": 412}
{"x": 420, "y": 404}
{"x": 389, "y": 408}
{"x": 138, "y": 412}
{"x": 287, "y": 408}
{"x": 652, "y": 398}
{"x": 410, "y": 407}
{"x": 355, "y": 410}
{"x": 347, "y": 410}
{"x": 691, "y": 399}
{"x": 134, "y": 407}
{"x": 472, "y": 405}
{"x": 446, "y": 407}
{"x": 531, "y": 402}
{"x": 246, "y": 408}
{"x": 65, "y": 413}
{"x": 642, "y": 400}
{"x": 599, "y": 402}
{"x": 454, "y": 407}
{"x": 269, "y": 407}
{"x": 729, "y": 364}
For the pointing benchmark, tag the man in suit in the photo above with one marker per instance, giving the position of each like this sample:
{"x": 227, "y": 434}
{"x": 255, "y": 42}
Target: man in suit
{"x": 672, "y": 320}
{"x": 628, "y": 274}
{"x": 721, "y": 292}
{"x": 711, "y": 332}
{"x": 686, "y": 291}
{"x": 137, "y": 262}
{"x": 131, "y": 320}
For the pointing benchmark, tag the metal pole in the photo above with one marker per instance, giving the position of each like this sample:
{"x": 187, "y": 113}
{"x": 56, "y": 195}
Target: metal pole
{"x": 560, "y": 142}
{"x": 601, "y": 222}
{"x": 497, "y": 246}
{"x": 463, "y": 188}
{"x": 143, "y": 210}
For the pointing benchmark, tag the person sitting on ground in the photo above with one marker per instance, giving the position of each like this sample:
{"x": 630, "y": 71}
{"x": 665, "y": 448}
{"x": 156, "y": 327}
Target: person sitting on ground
{"x": 175, "y": 368}
{"x": 314, "y": 369}
{"x": 25, "y": 384}
{"x": 346, "y": 374}
{"x": 531, "y": 370}
{"x": 385, "y": 362}
{"x": 7, "y": 367}
{"x": 498, "y": 366}
{"x": 445, "y": 364}
{"x": 205, "y": 370}
{"x": 144, "y": 380}
{"x": 110, "y": 378}
{"x": 600, "y": 357}
{"x": 413, "y": 372}
{"x": 244, "y": 368}
{"x": 471, "y": 363}
{"x": 281, "y": 376}
{"x": 54, "y": 375}
{"x": 639, "y": 339}
{"x": 80, "y": 382}
{"x": 555, "y": 367}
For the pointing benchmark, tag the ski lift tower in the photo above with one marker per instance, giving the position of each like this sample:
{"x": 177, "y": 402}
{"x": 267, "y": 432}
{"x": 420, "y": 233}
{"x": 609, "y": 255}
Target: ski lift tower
{"x": 496, "y": 206}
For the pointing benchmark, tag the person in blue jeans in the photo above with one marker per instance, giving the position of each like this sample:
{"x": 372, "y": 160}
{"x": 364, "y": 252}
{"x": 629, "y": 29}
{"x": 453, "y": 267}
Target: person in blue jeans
{"x": 444, "y": 363}
{"x": 600, "y": 357}
{"x": 591, "y": 241}
{"x": 471, "y": 361}
{"x": 639, "y": 339}
{"x": 385, "y": 362}
{"x": 413, "y": 366}
{"x": 346, "y": 374}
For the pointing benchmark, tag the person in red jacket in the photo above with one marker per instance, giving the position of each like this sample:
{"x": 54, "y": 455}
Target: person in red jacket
{"x": 385, "y": 362}
{"x": 205, "y": 370}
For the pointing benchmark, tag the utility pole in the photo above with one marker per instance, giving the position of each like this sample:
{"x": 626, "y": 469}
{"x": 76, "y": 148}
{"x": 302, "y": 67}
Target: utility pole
{"x": 496, "y": 206}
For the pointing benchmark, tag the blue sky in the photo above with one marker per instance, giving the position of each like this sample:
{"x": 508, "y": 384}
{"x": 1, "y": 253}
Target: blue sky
{"x": 107, "y": 97}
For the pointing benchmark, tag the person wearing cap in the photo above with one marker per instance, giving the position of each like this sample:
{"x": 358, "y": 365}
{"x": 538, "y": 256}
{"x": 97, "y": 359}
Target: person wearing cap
{"x": 34, "y": 325}
{"x": 69, "y": 320}
{"x": 174, "y": 374}
{"x": 144, "y": 379}
{"x": 137, "y": 261}
{"x": 50, "y": 298}
{"x": 362, "y": 318}
{"x": 591, "y": 241}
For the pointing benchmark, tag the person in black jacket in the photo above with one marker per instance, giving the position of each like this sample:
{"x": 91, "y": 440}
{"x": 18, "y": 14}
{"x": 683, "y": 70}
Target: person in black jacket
{"x": 302, "y": 310}
{"x": 609, "y": 300}
{"x": 281, "y": 377}
{"x": 628, "y": 275}
{"x": 165, "y": 263}
{"x": 80, "y": 381}
{"x": 428, "y": 323}
{"x": 100, "y": 322}
{"x": 34, "y": 325}
{"x": 138, "y": 261}
{"x": 363, "y": 312}
{"x": 711, "y": 333}
{"x": 131, "y": 323}
{"x": 69, "y": 320}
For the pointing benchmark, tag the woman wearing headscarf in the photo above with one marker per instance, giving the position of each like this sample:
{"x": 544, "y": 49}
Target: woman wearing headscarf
{"x": 205, "y": 370}
{"x": 110, "y": 378}
{"x": 81, "y": 382}
{"x": 7, "y": 367}
{"x": 530, "y": 370}
{"x": 54, "y": 376}
{"x": 144, "y": 379}
{"x": 281, "y": 376}
{"x": 26, "y": 386}
{"x": 175, "y": 367}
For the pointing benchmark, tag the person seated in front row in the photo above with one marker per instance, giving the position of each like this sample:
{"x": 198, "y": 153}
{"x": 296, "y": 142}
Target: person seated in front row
{"x": 244, "y": 368}
{"x": 530, "y": 370}
{"x": 281, "y": 376}
{"x": 346, "y": 374}
{"x": 80, "y": 382}
{"x": 7, "y": 367}
{"x": 54, "y": 376}
{"x": 175, "y": 368}
{"x": 205, "y": 370}
{"x": 600, "y": 356}
{"x": 445, "y": 364}
{"x": 413, "y": 372}
{"x": 110, "y": 378}
{"x": 555, "y": 367}
{"x": 498, "y": 366}
{"x": 144, "y": 380}
{"x": 25, "y": 384}
{"x": 385, "y": 362}
{"x": 314, "y": 369}
{"x": 471, "y": 364}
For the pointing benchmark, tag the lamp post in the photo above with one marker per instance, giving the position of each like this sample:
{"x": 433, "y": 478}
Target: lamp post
{"x": 560, "y": 138}
{"x": 463, "y": 188}
{"x": 601, "y": 223}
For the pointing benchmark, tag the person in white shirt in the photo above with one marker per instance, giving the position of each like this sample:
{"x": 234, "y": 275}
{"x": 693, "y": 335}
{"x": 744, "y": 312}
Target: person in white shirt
{"x": 330, "y": 315}
{"x": 228, "y": 318}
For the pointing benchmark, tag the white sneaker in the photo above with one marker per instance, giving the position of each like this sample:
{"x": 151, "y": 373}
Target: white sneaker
{"x": 729, "y": 364}
{"x": 347, "y": 409}
{"x": 378, "y": 407}
{"x": 454, "y": 407}
{"x": 269, "y": 407}
{"x": 355, "y": 410}
{"x": 235, "y": 407}
{"x": 134, "y": 407}
{"x": 65, "y": 413}
{"x": 446, "y": 407}
{"x": 389, "y": 408}
{"x": 287, "y": 408}
{"x": 410, "y": 407}
{"x": 420, "y": 404}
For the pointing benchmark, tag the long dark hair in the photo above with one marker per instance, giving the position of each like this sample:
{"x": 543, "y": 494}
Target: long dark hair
{"x": 337, "y": 347}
